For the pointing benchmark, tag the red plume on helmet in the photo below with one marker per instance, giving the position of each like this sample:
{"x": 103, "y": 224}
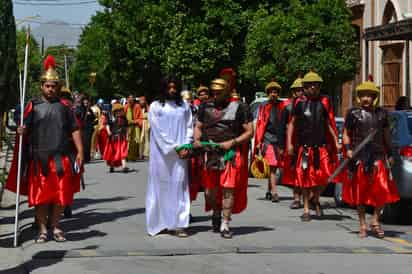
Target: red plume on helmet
{"x": 49, "y": 62}
{"x": 370, "y": 77}
{"x": 229, "y": 75}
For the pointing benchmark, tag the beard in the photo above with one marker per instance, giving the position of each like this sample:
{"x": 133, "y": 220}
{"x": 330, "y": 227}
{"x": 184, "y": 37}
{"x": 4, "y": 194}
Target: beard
{"x": 172, "y": 97}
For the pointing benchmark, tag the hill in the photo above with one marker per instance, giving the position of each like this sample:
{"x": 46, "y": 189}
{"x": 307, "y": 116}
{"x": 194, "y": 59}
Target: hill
{"x": 57, "y": 33}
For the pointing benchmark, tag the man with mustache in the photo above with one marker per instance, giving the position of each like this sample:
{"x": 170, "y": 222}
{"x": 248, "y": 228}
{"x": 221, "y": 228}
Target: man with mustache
{"x": 229, "y": 125}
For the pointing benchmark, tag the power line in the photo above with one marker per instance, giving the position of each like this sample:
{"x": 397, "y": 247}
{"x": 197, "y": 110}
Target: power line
{"x": 54, "y": 3}
{"x": 52, "y": 23}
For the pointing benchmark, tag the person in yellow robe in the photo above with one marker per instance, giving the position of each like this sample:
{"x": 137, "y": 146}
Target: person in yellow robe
{"x": 134, "y": 118}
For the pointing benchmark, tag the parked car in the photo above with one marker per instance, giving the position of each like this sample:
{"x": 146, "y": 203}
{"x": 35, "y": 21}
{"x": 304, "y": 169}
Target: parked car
{"x": 335, "y": 189}
{"x": 401, "y": 130}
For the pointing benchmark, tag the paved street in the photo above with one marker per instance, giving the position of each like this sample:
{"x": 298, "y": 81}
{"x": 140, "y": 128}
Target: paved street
{"x": 107, "y": 235}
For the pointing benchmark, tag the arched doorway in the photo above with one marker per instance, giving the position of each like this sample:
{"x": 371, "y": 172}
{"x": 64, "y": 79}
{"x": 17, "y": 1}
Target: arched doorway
{"x": 391, "y": 62}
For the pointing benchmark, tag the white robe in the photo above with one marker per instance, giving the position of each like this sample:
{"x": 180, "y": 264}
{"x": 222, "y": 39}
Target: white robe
{"x": 167, "y": 197}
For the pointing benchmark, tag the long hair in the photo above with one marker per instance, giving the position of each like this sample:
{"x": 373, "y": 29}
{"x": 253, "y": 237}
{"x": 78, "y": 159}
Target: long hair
{"x": 164, "y": 91}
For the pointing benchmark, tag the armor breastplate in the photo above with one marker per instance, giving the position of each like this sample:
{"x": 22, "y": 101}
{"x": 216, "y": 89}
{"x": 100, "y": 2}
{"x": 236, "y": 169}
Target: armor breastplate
{"x": 119, "y": 126}
{"x": 49, "y": 134}
{"x": 220, "y": 124}
{"x": 311, "y": 122}
{"x": 364, "y": 122}
{"x": 270, "y": 136}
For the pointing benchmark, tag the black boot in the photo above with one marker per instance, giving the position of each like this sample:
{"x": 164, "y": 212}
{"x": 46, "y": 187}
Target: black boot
{"x": 216, "y": 223}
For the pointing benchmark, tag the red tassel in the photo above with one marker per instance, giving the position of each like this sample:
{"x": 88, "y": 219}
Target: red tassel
{"x": 49, "y": 62}
{"x": 370, "y": 77}
{"x": 227, "y": 71}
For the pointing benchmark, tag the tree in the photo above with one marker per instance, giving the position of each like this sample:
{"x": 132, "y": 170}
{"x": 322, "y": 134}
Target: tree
{"x": 285, "y": 40}
{"x": 8, "y": 66}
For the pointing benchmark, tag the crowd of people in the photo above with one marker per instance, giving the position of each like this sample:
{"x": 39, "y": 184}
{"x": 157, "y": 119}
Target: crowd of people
{"x": 203, "y": 143}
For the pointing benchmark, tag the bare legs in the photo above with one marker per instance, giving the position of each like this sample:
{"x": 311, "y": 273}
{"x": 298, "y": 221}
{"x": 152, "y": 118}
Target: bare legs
{"x": 50, "y": 213}
{"x": 227, "y": 206}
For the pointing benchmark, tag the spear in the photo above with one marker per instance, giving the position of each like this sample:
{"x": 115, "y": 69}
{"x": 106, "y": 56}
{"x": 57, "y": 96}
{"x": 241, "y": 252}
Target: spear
{"x": 22, "y": 91}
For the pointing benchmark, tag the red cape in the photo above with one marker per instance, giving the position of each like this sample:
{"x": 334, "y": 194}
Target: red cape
{"x": 262, "y": 121}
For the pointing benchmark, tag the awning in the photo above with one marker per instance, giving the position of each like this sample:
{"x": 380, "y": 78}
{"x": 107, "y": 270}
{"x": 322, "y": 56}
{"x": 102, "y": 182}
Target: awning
{"x": 401, "y": 30}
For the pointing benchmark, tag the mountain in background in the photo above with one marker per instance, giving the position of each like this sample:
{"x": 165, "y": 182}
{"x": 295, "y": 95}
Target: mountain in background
{"x": 57, "y": 33}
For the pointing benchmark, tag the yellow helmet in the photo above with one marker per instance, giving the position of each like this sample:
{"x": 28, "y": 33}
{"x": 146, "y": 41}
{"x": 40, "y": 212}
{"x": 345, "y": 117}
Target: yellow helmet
{"x": 116, "y": 107}
{"x": 202, "y": 88}
{"x": 368, "y": 86}
{"x": 311, "y": 77}
{"x": 65, "y": 90}
{"x": 259, "y": 168}
{"x": 219, "y": 84}
{"x": 297, "y": 83}
{"x": 273, "y": 85}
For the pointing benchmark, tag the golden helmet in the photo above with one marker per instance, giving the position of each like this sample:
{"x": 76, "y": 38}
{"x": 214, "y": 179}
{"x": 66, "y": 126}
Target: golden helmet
{"x": 50, "y": 73}
{"x": 219, "y": 84}
{"x": 65, "y": 90}
{"x": 116, "y": 107}
{"x": 273, "y": 85}
{"x": 297, "y": 83}
{"x": 186, "y": 95}
{"x": 235, "y": 95}
{"x": 368, "y": 85}
{"x": 259, "y": 168}
{"x": 311, "y": 77}
{"x": 202, "y": 88}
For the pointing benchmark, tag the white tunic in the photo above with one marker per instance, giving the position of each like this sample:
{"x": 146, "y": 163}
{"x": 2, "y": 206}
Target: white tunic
{"x": 167, "y": 197}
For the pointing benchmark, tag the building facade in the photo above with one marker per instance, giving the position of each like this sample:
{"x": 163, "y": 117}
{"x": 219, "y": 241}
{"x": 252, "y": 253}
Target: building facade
{"x": 384, "y": 28}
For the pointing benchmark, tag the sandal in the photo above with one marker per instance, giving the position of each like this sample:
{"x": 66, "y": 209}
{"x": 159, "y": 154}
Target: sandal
{"x": 58, "y": 236}
{"x": 41, "y": 238}
{"x": 363, "y": 232}
{"x": 181, "y": 233}
{"x": 226, "y": 234}
{"x": 377, "y": 231}
{"x": 268, "y": 196}
{"x": 275, "y": 198}
{"x": 305, "y": 217}
{"x": 295, "y": 205}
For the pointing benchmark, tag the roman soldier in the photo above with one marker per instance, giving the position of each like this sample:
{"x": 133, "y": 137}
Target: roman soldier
{"x": 202, "y": 95}
{"x": 267, "y": 136}
{"x": 116, "y": 150}
{"x": 288, "y": 169}
{"x": 51, "y": 166}
{"x": 227, "y": 125}
{"x": 312, "y": 140}
{"x": 371, "y": 181}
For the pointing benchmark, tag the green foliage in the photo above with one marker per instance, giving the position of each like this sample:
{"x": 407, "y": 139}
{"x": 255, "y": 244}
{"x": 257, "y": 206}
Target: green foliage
{"x": 8, "y": 65}
{"x": 132, "y": 43}
{"x": 282, "y": 42}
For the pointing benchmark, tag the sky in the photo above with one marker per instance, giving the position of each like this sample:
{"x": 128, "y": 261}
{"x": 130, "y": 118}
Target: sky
{"x": 73, "y": 14}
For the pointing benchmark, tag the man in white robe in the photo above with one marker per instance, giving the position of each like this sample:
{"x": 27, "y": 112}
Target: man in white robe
{"x": 167, "y": 197}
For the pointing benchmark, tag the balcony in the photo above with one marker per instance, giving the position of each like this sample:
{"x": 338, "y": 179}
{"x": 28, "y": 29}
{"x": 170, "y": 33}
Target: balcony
{"x": 354, "y": 3}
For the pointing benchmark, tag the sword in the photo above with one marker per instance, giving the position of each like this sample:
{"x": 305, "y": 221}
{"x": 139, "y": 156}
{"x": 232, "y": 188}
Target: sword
{"x": 355, "y": 151}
